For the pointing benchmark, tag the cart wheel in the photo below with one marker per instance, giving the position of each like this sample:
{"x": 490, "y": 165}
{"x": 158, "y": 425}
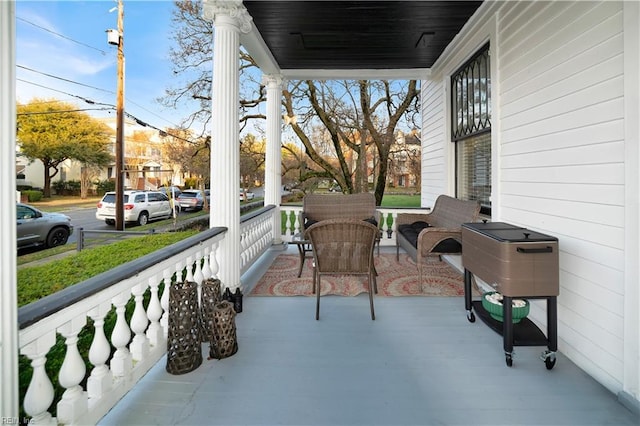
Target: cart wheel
{"x": 549, "y": 359}
{"x": 471, "y": 316}
{"x": 509, "y": 360}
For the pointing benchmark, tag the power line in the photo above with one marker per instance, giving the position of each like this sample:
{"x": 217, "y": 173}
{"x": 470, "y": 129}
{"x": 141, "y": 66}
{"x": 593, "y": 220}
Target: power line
{"x": 60, "y": 35}
{"x": 163, "y": 133}
{"x": 62, "y": 111}
{"x": 86, "y": 85}
{"x": 74, "y": 82}
{"x": 64, "y": 79}
{"x": 89, "y": 101}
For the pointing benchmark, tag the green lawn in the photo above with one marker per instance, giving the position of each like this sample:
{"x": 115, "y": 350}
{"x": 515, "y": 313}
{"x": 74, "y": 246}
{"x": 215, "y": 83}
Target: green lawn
{"x": 401, "y": 200}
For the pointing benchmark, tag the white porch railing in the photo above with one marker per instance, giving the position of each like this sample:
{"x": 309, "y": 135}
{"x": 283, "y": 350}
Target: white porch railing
{"x": 256, "y": 235}
{"x": 387, "y": 226}
{"x": 66, "y": 313}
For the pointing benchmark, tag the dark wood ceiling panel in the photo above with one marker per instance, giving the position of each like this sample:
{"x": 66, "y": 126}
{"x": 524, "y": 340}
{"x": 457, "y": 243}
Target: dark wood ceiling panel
{"x": 358, "y": 34}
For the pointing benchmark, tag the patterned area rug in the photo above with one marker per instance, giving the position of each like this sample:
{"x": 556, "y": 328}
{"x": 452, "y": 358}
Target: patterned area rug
{"x": 395, "y": 278}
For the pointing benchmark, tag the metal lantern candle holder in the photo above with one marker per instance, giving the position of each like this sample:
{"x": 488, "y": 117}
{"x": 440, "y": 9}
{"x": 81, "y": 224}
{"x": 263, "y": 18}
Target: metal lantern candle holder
{"x": 184, "y": 348}
{"x": 211, "y": 296}
{"x": 223, "y": 339}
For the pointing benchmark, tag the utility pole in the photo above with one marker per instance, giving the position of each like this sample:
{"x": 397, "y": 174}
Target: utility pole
{"x": 120, "y": 123}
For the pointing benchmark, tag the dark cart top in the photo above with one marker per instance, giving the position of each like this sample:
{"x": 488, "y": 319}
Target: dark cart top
{"x": 505, "y": 232}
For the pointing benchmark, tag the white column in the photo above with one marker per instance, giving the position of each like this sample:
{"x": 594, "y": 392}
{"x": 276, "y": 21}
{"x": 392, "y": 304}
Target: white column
{"x": 273, "y": 157}
{"x": 8, "y": 302}
{"x": 229, "y": 19}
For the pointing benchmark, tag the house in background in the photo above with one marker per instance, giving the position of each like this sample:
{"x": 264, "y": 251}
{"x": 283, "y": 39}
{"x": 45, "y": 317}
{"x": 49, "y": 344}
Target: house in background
{"x": 405, "y": 158}
{"x": 146, "y": 166}
{"x": 143, "y": 157}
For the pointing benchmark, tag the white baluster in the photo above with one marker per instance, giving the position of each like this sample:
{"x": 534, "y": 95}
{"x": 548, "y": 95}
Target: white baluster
{"x": 74, "y": 400}
{"x": 189, "y": 267}
{"x": 100, "y": 381}
{"x": 197, "y": 275}
{"x": 154, "y": 313}
{"x": 296, "y": 224}
{"x": 164, "y": 301}
{"x": 179, "y": 271}
{"x": 394, "y": 223}
{"x": 384, "y": 226}
{"x": 213, "y": 261}
{"x": 290, "y": 226}
{"x": 121, "y": 363}
{"x": 39, "y": 394}
{"x": 139, "y": 321}
{"x": 206, "y": 270}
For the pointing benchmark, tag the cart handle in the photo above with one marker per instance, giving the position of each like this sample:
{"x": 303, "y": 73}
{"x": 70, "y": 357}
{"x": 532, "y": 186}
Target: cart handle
{"x": 547, "y": 249}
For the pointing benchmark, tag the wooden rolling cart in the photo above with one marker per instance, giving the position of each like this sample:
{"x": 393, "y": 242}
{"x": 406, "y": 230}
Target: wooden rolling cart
{"x": 518, "y": 263}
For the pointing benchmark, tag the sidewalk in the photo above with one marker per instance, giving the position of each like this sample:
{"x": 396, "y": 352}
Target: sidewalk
{"x": 64, "y": 202}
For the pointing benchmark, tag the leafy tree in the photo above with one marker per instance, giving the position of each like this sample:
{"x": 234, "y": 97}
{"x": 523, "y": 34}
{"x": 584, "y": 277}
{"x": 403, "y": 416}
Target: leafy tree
{"x": 53, "y": 131}
{"x": 352, "y": 118}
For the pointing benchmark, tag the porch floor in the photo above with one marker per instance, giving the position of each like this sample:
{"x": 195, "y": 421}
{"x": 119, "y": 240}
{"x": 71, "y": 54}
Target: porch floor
{"x": 419, "y": 363}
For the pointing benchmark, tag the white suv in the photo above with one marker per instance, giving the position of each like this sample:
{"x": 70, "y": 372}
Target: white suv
{"x": 139, "y": 207}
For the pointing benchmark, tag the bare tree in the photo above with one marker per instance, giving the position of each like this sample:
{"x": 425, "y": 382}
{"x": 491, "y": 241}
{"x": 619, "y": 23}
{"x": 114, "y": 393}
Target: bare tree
{"x": 352, "y": 118}
{"x": 252, "y": 157}
{"x": 88, "y": 174}
{"x": 192, "y": 66}
{"x": 354, "y": 114}
{"x": 191, "y": 157}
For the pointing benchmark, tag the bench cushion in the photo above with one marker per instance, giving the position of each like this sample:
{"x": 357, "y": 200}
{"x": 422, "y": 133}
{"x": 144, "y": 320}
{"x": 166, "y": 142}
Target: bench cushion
{"x": 411, "y": 231}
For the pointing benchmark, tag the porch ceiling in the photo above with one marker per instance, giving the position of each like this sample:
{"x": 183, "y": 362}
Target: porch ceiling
{"x": 358, "y": 35}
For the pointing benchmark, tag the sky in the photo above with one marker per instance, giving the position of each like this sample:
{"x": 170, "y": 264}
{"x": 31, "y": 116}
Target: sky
{"x": 62, "y": 53}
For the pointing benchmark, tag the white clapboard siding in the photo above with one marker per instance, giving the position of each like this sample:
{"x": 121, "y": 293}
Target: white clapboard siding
{"x": 559, "y": 144}
{"x": 433, "y": 136}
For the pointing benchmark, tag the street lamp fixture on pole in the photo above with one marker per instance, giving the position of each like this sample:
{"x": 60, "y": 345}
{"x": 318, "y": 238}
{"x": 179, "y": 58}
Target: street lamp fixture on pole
{"x": 117, "y": 38}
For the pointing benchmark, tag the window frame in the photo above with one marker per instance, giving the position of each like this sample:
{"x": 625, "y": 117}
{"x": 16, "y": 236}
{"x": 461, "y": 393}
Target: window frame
{"x": 465, "y": 124}
{"x": 482, "y": 126}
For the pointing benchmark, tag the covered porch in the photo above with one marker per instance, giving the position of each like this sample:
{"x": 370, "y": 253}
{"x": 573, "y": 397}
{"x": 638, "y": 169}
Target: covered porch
{"x": 420, "y": 362}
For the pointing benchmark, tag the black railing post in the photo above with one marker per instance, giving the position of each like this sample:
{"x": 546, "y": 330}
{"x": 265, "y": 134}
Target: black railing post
{"x": 80, "y": 242}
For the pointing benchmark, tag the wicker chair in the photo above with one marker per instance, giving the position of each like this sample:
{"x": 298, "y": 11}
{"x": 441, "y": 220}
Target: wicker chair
{"x": 317, "y": 207}
{"x": 343, "y": 247}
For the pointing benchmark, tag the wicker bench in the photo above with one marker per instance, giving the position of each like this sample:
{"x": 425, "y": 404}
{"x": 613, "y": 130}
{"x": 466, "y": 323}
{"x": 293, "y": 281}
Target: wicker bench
{"x": 436, "y": 233}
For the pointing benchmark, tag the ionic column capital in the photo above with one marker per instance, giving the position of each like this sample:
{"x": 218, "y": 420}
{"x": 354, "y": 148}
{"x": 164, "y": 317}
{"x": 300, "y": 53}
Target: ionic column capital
{"x": 273, "y": 81}
{"x": 228, "y": 11}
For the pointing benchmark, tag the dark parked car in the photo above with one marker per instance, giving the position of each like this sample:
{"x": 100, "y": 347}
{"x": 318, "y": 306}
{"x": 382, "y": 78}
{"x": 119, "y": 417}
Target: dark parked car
{"x": 38, "y": 228}
{"x": 192, "y": 199}
{"x": 171, "y": 191}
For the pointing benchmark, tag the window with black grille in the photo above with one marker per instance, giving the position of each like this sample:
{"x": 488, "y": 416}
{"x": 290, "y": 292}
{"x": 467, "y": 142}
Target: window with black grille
{"x": 471, "y": 128}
